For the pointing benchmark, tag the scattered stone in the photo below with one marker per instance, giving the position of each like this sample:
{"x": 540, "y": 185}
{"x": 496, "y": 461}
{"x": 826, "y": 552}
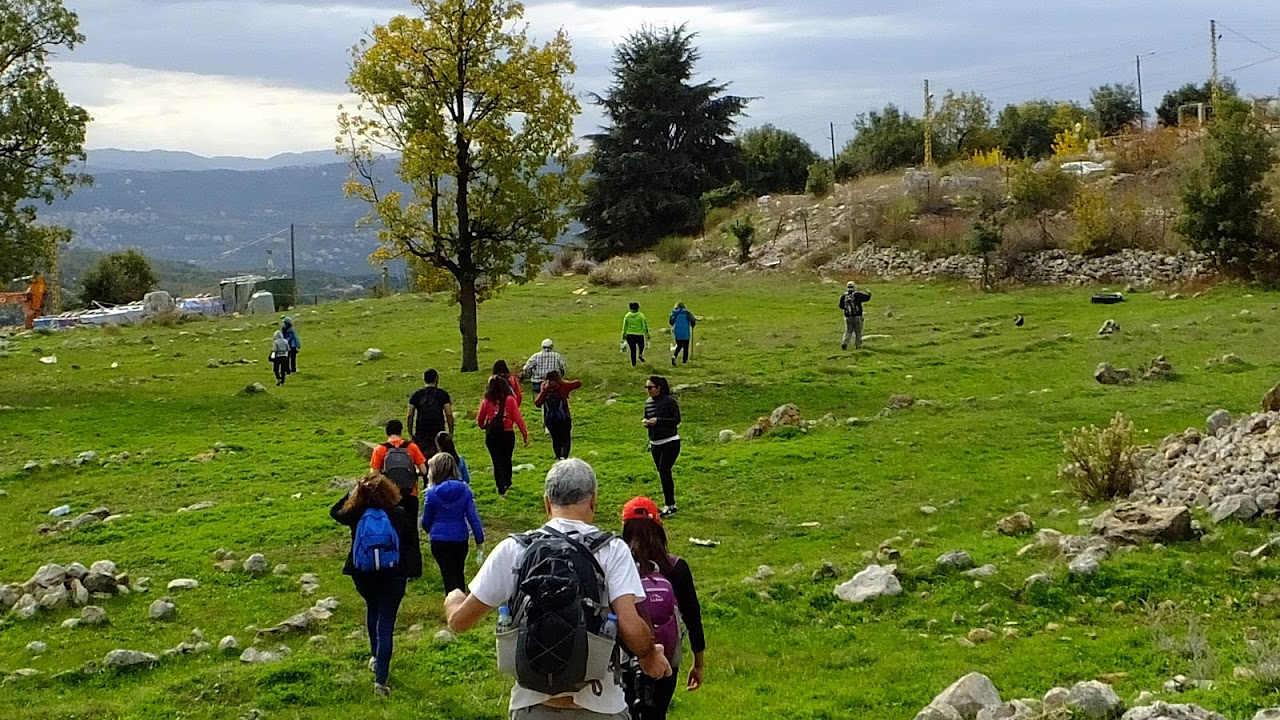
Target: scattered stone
{"x": 92, "y": 615}
{"x": 162, "y": 609}
{"x": 203, "y": 505}
{"x": 35, "y": 647}
{"x": 183, "y": 584}
{"x": 827, "y": 571}
{"x": 1056, "y": 698}
{"x": 256, "y": 564}
{"x": 1240, "y": 507}
{"x": 374, "y": 354}
{"x": 1157, "y": 369}
{"x": 938, "y": 712}
{"x": 128, "y": 658}
{"x": 228, "y": 643}
{"x": 1218, "y": 421}
{"x": 225, "y": 565}
{"x": 1166, "y": 711}
{"x": 873, "y": 582}
{"x": 280, "y": 569}
{"x": 1015, "y": 524}
{"x": 49, "y": 576}
{"x": 900, "y": 402}
{"x": 60, "y": 511}
{"x": 1270, "y": 403}
{"x": 71, "y": 623}
{"x": 928, "y": 509}
{"x": 254, "y": 388}
{"x": 1106, "y": 374}
{"x": 1109, "y": 327}
{"x": 309, "y": 582}
{"x": 1092, "y": 700}
{"x": 728, "y": 436}
{"x": 1086, "y": 563}
{"x": 979, "y": 636}
{"x": 26, "y": 607}
{"x": 256, "y": 656}
{"x": 980, "y": 573}
{"x": 969, "y": 695}
{"x": 1037, "y": 579}
{"x": 785, "y": 415}
{"x": 444, "y": 637}
{"x": 317, "y": 640}
{"x": 1139, "y": 523}
{"x": 955, "y": 560}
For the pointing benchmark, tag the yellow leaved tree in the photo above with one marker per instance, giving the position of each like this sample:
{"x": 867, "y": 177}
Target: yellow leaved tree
{"x": 477, "y": 122}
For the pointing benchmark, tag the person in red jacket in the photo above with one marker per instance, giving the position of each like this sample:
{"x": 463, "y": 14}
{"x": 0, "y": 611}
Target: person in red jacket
{"x": 499, "y": 414}
{"x": 554, "y": 401}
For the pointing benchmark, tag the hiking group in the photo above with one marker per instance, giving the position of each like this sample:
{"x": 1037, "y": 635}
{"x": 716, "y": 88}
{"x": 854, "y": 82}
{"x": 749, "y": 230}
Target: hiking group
{"x": 590, "y": 624}
{"x": 284, "y": 351}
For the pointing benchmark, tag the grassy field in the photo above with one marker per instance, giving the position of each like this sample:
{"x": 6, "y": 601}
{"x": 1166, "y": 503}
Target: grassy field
{"x": 985, "y": 445}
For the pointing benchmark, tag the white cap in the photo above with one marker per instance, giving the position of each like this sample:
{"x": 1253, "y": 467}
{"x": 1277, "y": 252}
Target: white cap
{"x": 547, "y": 343}
{"x": 850, "y": 285}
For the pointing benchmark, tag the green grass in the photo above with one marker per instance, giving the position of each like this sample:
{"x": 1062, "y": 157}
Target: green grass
{"x": 987, "y": 446}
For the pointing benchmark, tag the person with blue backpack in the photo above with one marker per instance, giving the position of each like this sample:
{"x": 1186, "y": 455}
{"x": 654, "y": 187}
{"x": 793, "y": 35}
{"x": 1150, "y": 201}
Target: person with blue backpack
{"x": 291, "y": 334}
{"x": 670, "y": 598}
{"x": 682, "y": 323}
{"x": 554, "y": 401}
{"x": 447, "y": 511}
{"x": 383, "y": 556}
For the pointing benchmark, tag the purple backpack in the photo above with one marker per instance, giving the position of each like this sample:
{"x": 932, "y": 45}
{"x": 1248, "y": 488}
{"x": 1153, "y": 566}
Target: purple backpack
{"x": 660, "y": 607}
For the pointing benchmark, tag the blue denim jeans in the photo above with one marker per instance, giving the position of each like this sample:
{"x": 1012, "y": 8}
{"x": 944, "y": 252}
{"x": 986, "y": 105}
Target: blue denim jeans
{"x": 382, "y": 596}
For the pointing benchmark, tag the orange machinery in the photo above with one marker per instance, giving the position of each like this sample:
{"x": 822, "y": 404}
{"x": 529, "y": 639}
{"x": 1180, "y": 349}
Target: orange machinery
{"x": 31, "y": 299}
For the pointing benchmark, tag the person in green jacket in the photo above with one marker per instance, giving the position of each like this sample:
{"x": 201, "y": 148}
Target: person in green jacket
{"x": 635, "y": 330}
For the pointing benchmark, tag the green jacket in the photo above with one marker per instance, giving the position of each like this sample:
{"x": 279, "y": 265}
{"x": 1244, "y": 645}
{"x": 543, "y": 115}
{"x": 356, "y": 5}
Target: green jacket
{"x": 635, "y": 324}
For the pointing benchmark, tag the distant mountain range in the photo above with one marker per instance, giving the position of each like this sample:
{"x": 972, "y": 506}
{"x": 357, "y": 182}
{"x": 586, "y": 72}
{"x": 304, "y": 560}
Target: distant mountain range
{"x": 223, "y": 214}
{"x": 167, "y": 160}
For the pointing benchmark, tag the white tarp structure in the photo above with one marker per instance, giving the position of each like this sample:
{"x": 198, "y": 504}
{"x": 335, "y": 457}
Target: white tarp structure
{"x": 261, "y": 303}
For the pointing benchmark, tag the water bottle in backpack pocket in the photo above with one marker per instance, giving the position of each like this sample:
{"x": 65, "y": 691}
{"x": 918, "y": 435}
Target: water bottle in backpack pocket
{"x": 376, "y": 546}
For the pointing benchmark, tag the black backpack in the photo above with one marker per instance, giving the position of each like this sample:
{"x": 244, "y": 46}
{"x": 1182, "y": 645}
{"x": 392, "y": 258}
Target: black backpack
{"x": 560, "y": 599}
{"x": 555, "y": 410}
{"x": 430, "y": 414}
{"x": 398, "y": 466}
{"x": 497, "y": 425}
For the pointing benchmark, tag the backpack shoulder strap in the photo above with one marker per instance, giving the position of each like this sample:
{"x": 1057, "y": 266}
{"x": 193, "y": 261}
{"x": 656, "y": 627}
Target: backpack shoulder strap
{"x": 388, "y": 445}
{"x": 589, "y": 551}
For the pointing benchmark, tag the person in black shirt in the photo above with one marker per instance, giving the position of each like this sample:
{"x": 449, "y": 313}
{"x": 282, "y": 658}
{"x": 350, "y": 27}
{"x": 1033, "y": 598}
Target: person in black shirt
{"x": 851, "y": 304}
{"x": 649, "y": 699}
{"x": 661, "y": 418}
{"x": 433, "y": 409}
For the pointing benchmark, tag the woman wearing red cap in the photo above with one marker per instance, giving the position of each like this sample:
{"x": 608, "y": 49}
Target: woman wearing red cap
{"x": 669, "y": 598}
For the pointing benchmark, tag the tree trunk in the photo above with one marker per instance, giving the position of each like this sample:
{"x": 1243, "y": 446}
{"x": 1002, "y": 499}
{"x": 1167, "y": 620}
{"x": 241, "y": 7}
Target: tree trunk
{"x": 467, "y": 323}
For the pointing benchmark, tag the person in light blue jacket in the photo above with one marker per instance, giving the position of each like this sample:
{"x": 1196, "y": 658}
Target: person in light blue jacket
{"x": 682, "y": 323}
{"x": 447, "y": 511}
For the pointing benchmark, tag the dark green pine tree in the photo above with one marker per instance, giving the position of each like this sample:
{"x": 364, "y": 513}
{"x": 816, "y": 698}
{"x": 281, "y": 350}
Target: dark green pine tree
{"x": 668, "y": 141}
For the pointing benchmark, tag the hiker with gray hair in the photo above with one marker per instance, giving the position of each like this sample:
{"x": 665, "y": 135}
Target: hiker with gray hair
{"x": 851, "y": 303}
{"x": 541, "y": 363}
{"x": 567, "y": 574}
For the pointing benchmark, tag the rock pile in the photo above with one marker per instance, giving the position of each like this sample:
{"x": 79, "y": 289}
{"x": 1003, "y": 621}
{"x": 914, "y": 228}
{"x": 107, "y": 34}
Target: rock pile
{"x": 83, "y": 520}
{"x": 54, "y": 587}
{"x": 975, "y": 697}
{"x": 1229, "y": 469}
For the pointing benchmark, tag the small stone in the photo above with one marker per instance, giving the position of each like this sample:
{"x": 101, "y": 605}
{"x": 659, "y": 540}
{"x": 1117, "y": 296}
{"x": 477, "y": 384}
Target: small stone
{"x": 1093, "y": 700}
{"x": 254, "y": 388}
{"x": 1056, "y": 699}
{"x": 35, "y": 647}
{"x": 980, "y": 573}
{"x": 873, "y": 582}
{"x": 162, "y": 609}
{"x": 374, "y": 354}
{"x": 93, "y": 615}
{"x": 928, "y": 509}
{"x": 955, "y": 560}
{"x": 128, "y": 658}
{"x": 1037, "y": 579}
{"x": 727, "y": 436}
{"x": 1015, "y": 524}
{"x": 256, "y": 564}
{"x": 71, "y": 623}
{"x": 184, "y": 584}
{"x": 225, "y": 565}
{"x": 979, "y": 636}
{"x": 281, "y": 569}
{"x": 229, "y": 643}
{"x": 444, "y": 637}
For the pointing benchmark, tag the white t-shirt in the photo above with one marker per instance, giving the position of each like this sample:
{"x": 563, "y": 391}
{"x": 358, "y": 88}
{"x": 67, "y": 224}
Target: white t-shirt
{"x": 496, "y": 583}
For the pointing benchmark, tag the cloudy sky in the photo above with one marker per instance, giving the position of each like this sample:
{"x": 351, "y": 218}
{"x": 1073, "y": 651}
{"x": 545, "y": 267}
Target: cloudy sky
{"x": 259, "y": 77}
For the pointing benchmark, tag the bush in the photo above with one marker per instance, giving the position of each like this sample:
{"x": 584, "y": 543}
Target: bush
{"x": 743, "y": 231}
{"x": 118, "y": 278}
{"x": 1035, "y": 191}
{"x": 564, "y": 260}
{"x": 821, "y": 179}
{"x": 1100, "y": 463}
{"x": 1105, "y": 226}
{"x": 624, "y": 271}
{"x": 673, "y": 249}
{"x": 725, "y": 197}
{"x": 1146, "y": 151}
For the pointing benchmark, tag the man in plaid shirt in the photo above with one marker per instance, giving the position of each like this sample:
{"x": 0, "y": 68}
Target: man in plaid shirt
{"x": 541, "y": 363}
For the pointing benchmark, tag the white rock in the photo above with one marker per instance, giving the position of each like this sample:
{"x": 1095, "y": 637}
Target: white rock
{"x": 254, "y": 655}
{"x": 35, "y": 647}
{"x": 727, "y": 436}
{"x": 374, "y": 354}
{"x": 71, "y": 623}
{"x": 938, "y": 712}
{"x": 184, "y": 584}
{"x": 128, "y": 658}
{"x": 1268, "y": 714}
{"x": 955, "y": 560}
{"x": 26, "y": 607}
{"x": 1093, "y": 700}
{"x": 256, "y": 564}
{"x": 92, "y": 615}
{"x": 969, "y": 695}
{"x": 161, "y": 609}
{"x": 1167, "y": 711}
{"x": 1219, "y": 420}
{"x": 229, "y": 643}
{"x": 979, "y": 573}
{"x": 1056, "y": 698}
{"x": 444, "y": 637}
{"x": 105, "y": 567}
{"x": 873, "y": 582}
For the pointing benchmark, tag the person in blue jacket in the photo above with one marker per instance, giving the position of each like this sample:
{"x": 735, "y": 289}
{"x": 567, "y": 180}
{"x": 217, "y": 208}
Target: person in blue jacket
{"x": 446, "y": 512}
{"x": 682, "y": 323}
{"x": 291, "y": 335}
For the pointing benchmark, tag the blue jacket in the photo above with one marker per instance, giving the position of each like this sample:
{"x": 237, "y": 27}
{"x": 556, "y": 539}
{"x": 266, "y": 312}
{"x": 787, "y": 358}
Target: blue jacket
{"x": 682, "y": 322}
{"x": 292, "y": 336}
{"x": 447, "y": 510}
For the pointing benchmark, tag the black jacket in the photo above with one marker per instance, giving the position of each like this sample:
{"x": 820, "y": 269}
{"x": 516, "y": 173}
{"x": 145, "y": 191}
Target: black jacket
{"x": 403, "y": 519}
{"x": 687, "y": 600}
{"x": 667, "y": 411}
{"x": 851, "y": 303}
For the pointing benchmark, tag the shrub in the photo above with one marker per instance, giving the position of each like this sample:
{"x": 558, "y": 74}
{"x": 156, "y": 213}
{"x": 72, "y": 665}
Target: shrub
{"x": 1100, "y": 463}
{"x": 988, "y": 158}
{"x": 624, "y": 271}
{"x": 986, "y": 237}
{"x": 673, "y": 249}
{"x": 891, "y": 222}
{"x": 118, "y": 278}
{"x": 1035, "y": 191}
{"x": 743, "y": 231}
{"x": 1146, "y": 151}
{"x": 725, "y": 197}
{"x": 715, "y": 217}
{"x": 818, "y": 258}
{"x": 427, "y": 278}
{"x": 564, "y": 261}
{"x": 821, "y": 179}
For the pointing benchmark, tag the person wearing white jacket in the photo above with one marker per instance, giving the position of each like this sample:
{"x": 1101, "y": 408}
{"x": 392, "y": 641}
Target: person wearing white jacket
{"x": 280, "y": 356}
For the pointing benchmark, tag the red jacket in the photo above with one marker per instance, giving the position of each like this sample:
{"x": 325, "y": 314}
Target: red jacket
{"x": 511, "y": 416}
{"x": 563, "y": 388}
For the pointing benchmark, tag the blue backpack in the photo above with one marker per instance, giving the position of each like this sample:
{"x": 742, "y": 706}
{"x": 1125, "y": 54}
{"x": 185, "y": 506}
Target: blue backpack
{"x": 376, "y": 546}
{"x": 554, "y": 409}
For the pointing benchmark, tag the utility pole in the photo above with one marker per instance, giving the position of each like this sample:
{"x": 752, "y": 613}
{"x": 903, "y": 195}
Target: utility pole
{"x": 1142, "y": 108}
{"x": 293, "y": 268}
{"x": 833, "y": 152}
{"x": 928, "y": 126}
{"x": 1213, "y": 60}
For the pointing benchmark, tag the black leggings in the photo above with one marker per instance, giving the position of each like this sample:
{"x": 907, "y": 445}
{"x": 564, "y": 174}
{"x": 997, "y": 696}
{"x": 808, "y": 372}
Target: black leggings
{"x": 451, "y": 557}
{"x": 280, "y": 365}
{"x": 636, "y": 343}
{"x": 664, "y": 458}
{"x": 649, "y": 699}
{"x": 501, "y": 448}
{"x": 681, "y": 345}
{"x": 561, "y": 438}
{"x": 293, "y": 361}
